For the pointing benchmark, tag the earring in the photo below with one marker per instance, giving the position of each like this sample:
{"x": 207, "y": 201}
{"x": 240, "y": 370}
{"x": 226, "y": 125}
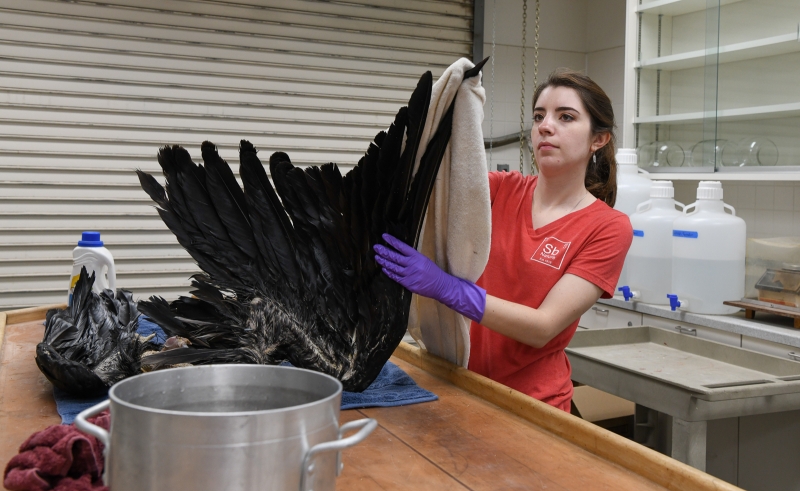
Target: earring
{"x": 594, "y": 158}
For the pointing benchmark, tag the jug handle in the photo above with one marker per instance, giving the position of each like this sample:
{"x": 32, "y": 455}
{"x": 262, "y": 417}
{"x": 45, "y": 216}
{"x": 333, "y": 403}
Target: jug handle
{"x": 730, "y": 208}
{"x": 112, "y": 275}
{"x": 644, "y": 206}
{"x": 367, "y": 426}
{"x": 92, "y": 429}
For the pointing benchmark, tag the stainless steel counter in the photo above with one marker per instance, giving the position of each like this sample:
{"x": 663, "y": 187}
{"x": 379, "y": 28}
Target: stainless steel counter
{"x": 766, "y": 327}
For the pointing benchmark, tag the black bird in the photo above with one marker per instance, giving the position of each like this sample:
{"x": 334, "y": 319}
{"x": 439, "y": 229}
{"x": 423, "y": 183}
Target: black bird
{"x": 91, "y": 344}
{"x": 289, "y": 272}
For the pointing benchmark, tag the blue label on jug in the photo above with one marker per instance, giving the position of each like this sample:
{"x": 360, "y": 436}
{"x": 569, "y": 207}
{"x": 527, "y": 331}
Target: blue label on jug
{"x": 638, "y": 233}
{"x": 688, "y": 234}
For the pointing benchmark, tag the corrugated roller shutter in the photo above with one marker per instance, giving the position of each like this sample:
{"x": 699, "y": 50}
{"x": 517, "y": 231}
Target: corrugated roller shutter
{"x": 90, "y": 90}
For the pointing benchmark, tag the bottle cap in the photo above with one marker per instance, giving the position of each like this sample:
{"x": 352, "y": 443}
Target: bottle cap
{"x": 627, "y": 161}
{"x": 662, "y": 189}
{"x": 709, "y": 190}
{"x": 90, "y": 239}
{"x": 627, "y": 156}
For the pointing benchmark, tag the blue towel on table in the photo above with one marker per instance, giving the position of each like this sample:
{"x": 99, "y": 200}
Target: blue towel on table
{"x": 147, "y": 327}
{"x": 393, "y": 387}
{"x": 68, "y": 406}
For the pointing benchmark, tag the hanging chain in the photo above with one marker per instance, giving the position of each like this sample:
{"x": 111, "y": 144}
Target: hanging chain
{"x": 535, "y": 70}
{"x": 522, "y": 91}
{"x": 536, "y": 50}
{"x": 491, "y": 94}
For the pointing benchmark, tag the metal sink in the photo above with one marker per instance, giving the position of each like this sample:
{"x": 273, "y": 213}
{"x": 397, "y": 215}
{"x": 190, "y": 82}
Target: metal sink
{"x": 683, "y": 376}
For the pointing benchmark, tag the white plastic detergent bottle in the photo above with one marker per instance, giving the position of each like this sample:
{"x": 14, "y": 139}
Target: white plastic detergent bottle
{"x": 649, "y": 259}
{"x": 708, "y": 253}
{"x": 96, "y": 258}
{"x": 633, "y": 188}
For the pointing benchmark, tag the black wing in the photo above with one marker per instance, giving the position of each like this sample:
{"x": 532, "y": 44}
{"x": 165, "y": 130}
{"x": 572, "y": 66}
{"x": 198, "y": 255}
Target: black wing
{"x": 289, "y": 271}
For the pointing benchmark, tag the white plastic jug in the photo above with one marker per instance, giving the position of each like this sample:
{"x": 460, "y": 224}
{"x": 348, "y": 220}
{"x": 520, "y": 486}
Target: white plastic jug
{"x": 96, "y": 258}
{"x": 649, "y": 259}
{"x": 633, "y": 188}
{"x": 708, "y": 252}
{"x": 633, "y": 183}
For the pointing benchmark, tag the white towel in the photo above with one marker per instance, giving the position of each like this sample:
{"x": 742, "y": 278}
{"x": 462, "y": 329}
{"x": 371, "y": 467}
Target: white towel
{"x": 457, "y": 229}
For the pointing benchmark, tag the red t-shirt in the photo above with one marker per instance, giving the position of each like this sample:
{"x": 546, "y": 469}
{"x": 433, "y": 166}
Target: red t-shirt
{"x": 524, "y": 264}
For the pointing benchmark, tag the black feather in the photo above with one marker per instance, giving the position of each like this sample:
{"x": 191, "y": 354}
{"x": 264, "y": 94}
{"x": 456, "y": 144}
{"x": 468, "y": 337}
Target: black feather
{"x": 272, "y": 228}
{"x": 424, "y": 180}
{"x": 229, "y": 201}
{"x": 474, "y": 71}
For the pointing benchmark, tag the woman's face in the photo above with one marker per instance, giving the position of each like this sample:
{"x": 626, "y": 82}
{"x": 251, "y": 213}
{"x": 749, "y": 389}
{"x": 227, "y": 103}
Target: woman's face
{"x": 562, "y": 132}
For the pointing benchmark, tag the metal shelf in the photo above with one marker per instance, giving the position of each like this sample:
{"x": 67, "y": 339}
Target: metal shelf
{"x": 740, "y": 114}
{"x": 677, "y": 7}
{"x": 754, "y": 175}
{"x": 759, "y": 48}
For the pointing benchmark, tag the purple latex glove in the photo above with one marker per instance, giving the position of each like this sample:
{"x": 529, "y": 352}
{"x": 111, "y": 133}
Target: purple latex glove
{"x": 420, "y": 275}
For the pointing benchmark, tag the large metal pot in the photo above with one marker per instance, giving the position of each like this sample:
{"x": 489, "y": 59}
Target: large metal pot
{"x": 232, "y": 427}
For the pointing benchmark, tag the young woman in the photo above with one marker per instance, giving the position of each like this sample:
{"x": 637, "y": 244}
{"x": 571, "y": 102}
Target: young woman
{"x": 557, "y": 246}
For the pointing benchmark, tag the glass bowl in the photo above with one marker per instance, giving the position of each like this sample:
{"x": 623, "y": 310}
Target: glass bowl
{"x": 750, "y": 151}
{"x": 707, "y": 153}
{"x": 660, "y": 154}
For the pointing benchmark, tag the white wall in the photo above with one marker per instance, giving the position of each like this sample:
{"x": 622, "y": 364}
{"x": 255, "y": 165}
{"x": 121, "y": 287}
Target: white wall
{"x": 769, "y": 208}
{"x": 586, "y": 35}
{"x": 605, "y": 58}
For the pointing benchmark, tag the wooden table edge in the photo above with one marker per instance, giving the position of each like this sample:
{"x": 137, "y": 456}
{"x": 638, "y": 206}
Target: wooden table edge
{"x": 30, "y": 314}
{"x": 24, "y": 315}
{"x": 658, "y": 468}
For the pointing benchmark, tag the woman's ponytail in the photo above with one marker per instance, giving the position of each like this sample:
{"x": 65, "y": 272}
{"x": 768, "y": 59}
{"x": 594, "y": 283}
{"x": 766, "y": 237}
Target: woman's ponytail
{"x": 601, "y": 174}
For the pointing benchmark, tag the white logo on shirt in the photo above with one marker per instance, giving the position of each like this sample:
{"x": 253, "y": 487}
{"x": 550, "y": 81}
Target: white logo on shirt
{"x": 551, "y": 252}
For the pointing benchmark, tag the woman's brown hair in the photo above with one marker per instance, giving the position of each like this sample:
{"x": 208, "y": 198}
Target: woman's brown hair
{"x": 601, "y": 176}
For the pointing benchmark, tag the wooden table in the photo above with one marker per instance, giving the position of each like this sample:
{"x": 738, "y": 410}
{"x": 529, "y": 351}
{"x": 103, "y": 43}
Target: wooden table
{"x": 479, "y": 435}
{"x": 26, "y": 397}
{"x": 462, "y": 442}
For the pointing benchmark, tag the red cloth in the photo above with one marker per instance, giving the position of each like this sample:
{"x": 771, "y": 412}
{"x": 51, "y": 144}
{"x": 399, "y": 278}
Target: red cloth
{"x": 524, "y": 264}
{"x": 59, "y": 458}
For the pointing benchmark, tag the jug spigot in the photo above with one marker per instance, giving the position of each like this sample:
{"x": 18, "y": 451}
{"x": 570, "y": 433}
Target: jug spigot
{"x": 627, "y": 293}
{"x": 674, "y": 303}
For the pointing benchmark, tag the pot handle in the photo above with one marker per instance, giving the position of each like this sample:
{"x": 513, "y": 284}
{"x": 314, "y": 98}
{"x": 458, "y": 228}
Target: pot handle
{"x": 82, "y": 424}
{"x": 367, "y": 426}
{"x": 101, "y": 434}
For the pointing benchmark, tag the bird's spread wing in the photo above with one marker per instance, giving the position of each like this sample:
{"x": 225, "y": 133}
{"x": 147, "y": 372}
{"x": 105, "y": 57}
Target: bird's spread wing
{"x": 289, "y": 272}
